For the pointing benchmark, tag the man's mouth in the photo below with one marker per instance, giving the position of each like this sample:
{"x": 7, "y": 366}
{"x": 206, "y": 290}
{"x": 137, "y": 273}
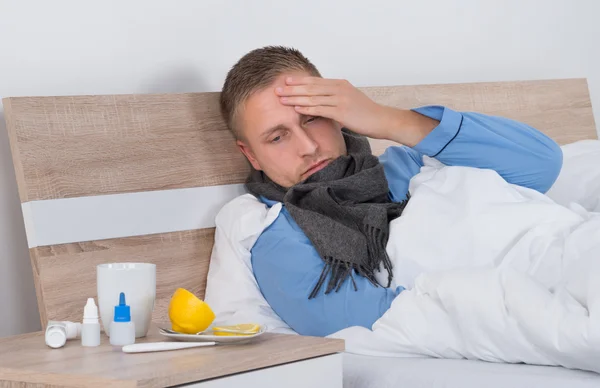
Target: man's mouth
{"x": 316, "y": 167}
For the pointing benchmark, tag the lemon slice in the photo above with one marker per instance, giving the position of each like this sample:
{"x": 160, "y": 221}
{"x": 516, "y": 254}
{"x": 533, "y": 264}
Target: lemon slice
{"x": 236, "y": 330}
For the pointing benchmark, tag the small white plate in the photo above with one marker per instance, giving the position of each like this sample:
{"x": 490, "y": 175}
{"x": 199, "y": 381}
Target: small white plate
{"x": 219, "y": 339}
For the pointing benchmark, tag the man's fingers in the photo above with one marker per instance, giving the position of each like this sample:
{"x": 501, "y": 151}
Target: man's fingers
{"x": 310, "y": 86}
{"x": 306, "y": 90}
{"x": 311, "y": 81}
{"x": 320, "y": 110}
{"x": 309, "y": 100}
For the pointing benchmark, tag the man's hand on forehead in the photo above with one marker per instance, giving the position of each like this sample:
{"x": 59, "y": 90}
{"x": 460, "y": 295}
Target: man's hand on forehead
{"x": 340, "y": 101}
{"x": 337, "y": 100}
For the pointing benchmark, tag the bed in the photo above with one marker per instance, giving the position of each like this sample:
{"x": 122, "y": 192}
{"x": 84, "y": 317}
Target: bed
{"x": 141, "y": 177}
{"x": 381, "y": 372}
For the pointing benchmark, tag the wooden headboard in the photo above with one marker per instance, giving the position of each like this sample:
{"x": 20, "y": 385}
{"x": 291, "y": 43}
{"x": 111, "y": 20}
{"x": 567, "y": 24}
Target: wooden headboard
{"x": 139, "y": 178}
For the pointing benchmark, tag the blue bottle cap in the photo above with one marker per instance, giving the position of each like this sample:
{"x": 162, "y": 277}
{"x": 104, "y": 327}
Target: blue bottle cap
{"x": 122, "y": 311}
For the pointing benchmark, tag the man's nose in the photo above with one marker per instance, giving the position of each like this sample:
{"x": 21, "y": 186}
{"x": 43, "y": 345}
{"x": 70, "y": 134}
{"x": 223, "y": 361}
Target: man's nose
{"x": 306, "y": 145}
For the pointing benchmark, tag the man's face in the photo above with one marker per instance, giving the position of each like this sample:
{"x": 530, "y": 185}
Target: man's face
{"x": 287, "y": 146}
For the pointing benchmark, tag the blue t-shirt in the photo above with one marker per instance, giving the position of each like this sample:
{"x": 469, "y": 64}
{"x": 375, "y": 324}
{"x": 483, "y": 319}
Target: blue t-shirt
{"x": 287, "y": 266}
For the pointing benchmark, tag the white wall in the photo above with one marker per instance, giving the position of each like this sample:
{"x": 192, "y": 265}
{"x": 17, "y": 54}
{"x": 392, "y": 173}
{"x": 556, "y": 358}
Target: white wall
{"x": 139, "y": 46}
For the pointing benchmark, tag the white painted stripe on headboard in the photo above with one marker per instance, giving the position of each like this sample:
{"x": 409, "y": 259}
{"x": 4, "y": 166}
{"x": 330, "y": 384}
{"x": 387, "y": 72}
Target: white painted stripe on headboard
{"x": 68, "y": 220}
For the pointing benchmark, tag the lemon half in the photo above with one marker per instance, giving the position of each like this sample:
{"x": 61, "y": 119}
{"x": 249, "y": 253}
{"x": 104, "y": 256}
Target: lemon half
{"x": 189, "y": 314}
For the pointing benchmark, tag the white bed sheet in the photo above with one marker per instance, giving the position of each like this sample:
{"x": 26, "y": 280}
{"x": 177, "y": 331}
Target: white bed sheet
{"x": 382, "y": 372}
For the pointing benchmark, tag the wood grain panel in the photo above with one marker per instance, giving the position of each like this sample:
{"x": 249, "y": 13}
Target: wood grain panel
{"x": 90, "y": 145}
{"x": 501, "y": 97}
{"x": 66, "y": 274}
{"x": 26, "y": 361}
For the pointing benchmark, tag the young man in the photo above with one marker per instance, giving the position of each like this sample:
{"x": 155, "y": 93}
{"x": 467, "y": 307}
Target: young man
{"x": 315, "y": 264}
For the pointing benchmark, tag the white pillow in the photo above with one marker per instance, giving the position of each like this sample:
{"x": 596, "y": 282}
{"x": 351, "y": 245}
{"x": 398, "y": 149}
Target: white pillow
{"x": 231, "y": 289}
{"x": 579, "y": 179}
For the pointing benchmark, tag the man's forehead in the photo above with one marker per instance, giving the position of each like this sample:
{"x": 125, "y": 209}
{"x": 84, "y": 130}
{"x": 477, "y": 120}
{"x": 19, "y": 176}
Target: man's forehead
{"x": 263, "y": 110}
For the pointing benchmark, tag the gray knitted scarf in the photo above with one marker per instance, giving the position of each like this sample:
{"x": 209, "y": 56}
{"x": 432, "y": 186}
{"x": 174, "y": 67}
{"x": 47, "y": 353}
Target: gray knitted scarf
{"x": 344, "y": 210}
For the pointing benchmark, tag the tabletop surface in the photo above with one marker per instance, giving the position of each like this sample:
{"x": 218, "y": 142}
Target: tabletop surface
{"x": 27, "y": 359}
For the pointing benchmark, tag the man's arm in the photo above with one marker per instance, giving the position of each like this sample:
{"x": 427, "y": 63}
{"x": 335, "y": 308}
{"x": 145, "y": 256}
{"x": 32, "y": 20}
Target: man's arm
{"x": 287, "y": 267}
{"x": 342, "y": 102}
{"x": 519, "y": 153}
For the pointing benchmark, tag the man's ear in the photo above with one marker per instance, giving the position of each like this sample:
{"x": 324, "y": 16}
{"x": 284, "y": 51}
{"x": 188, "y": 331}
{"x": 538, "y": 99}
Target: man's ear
{"x": 247, "y": 151}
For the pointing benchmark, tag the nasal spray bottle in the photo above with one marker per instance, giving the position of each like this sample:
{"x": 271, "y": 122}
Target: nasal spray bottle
{"x": 58, "y": 332}
{"x": 122, "y": 329}
{"x": 90, "y": 330}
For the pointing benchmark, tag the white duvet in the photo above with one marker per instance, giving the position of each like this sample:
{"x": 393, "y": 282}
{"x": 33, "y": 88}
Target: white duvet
{"x": 493, "y": 271}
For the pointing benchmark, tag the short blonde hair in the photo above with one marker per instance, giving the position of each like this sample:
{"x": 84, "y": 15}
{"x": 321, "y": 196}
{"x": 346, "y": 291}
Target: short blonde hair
{"x": 257, "y": 70}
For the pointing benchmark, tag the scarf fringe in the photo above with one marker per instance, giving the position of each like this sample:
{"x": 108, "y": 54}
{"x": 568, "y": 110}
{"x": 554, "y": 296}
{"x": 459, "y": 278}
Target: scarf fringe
{"x": 339, "y": 271}
{"x": 376, "y": 240}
